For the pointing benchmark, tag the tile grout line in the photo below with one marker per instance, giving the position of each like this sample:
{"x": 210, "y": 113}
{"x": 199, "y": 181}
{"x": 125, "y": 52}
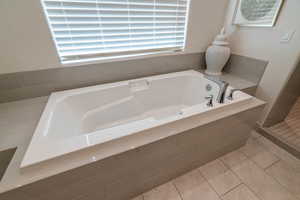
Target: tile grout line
{"x": 198, "y": 170}
{"x": 246, "y": 185}
{"x": 229, "y": 169}
{"x": 264, "y": 147}
{"x": 287, "y": 189}
{"x": 277, "y": 148}
{"x": 250, "y": 158}
{"x": 277, "y": 161}
{"x": 179, "y": 193}
{"x": 230, "y": 190}
{"x": 244, "y": 182}
{"x": 274, "y": 179}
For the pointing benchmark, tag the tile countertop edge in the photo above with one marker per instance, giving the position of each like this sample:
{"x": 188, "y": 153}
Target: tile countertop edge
{"x": 235, "y": 81}
{"x": 40, "y": 102}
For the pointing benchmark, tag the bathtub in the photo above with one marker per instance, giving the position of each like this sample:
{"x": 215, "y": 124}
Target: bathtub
{"x": 79, "y": 119}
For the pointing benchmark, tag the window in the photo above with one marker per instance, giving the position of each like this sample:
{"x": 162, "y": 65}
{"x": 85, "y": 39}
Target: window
{"x": 89, "y": 29}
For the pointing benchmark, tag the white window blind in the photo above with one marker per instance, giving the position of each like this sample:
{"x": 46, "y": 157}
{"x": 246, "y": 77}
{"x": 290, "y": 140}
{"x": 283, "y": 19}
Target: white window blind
{"x": 85, "y": 29}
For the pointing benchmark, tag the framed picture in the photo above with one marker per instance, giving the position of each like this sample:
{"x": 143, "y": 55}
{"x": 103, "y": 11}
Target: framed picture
{"x": 257, "y": 13}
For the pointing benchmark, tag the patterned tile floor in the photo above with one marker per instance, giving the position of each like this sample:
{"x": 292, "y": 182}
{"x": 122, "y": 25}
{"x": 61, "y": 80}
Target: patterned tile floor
{"x": 258, "y": 171}
{"x": 289, "y": 130}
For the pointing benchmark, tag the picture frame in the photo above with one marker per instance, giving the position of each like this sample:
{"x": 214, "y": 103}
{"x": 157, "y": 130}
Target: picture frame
{"x": 257, "y": 13}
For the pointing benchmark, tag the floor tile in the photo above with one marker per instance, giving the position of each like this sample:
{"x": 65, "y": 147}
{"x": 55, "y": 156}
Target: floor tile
{"x": 252, "y": 148}
{"x": 138, "y": 198}
{"x": 288, "y": 130}
{"x": 239, "y": 175}
{"x": 260, "y": 155}
{"x": 192, "y": 186}
{"x": 281, "y": 153}
{"x": 242, "y": 192}
{"x": 286, "y": 176}
{"x": 220, "y": 177}
{"x": 16, "y": 195}
{"x": 265, "y": 159}
{"x": 259, "y": 182}
{"x": 255, "y": 135}
{"x": 234, "y": 158}
{"x": 163, "y": 192}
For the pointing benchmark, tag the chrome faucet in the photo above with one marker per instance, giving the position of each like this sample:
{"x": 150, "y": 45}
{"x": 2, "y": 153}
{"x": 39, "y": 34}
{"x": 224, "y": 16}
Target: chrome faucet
{"x": 230, "y": 96}
{"x": 210, "y": 101}
{"x": 222, "y": 88}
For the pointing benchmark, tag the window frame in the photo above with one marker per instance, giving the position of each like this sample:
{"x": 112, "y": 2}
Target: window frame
{"x": 117, "y": 58}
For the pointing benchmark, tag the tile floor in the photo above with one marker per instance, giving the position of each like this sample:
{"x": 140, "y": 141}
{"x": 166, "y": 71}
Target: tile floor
{"x": 258, "y": 171}
{"x": 289, "y": 130}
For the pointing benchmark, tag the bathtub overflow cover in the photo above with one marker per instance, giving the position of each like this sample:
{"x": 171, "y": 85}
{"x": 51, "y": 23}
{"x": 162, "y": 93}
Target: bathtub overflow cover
{"x": 208, "y": 87}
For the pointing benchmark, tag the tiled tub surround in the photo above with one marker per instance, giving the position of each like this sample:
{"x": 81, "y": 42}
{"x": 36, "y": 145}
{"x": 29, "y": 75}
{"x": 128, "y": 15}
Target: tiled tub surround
{"x": 22, "y": 85}
{"x": 260, "y": 170}
{"x": 124, "y": 175}
{"x": 246, "y": 68}
{"x": 30, "y": 84}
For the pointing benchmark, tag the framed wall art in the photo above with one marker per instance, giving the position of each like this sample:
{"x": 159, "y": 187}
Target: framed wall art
{"x": 257, "y": 13}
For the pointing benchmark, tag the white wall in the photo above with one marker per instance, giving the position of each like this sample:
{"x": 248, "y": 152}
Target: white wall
{"x": 26, "y": 42}
{"x": 264, "y": 43}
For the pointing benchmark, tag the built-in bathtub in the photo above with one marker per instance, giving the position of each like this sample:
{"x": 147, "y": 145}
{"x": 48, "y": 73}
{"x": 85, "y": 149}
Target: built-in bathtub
{"x": 125, "y": 114}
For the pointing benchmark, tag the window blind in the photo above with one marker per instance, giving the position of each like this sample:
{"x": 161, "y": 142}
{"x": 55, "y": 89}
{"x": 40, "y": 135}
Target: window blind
{"x": 101, "y": 28}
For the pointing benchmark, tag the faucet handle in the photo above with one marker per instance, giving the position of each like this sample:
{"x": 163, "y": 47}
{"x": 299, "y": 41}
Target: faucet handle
{"x": 230, "y": 96}
{"x": 210, "y": 100}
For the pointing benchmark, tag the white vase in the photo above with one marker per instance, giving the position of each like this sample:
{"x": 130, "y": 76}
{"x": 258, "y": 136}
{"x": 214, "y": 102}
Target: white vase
{"x": 216, "y": 58}
{"x": 217, "y": 55}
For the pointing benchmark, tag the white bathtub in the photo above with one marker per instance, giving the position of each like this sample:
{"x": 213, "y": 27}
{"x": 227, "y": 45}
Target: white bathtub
{"x": 78, "y": 119}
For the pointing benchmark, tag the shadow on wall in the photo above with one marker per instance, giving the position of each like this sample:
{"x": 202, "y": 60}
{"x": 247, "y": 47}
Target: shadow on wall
{"x": 5, "y": 158}
{"x": 286, "y": 99}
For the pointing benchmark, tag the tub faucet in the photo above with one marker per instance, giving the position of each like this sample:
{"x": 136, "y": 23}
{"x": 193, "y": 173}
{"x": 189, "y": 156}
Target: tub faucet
{"x": 210, "y": 101}
{"x": 223, "y": 85}
{"x": 230, "y": 96}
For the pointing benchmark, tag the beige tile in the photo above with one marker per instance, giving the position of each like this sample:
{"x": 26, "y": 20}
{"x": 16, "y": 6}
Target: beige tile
{"x": 259, "y": 182}
{"x": 15, "y": 195}
{"x": 286, "y": 176}
{"x": 221, "y": 178}
{"x": 38, "y": 83}
{"x": 281, "y": 153}
{"x": 255, "y": 135}
{"x": 163, "y": 192}
{"x": 234, "y": 158}
{"x": 242, "y": 192}
{"x": 260, "y": 155}
{"x": 138, "y": 198}
{"x": 192, "y": 186}
{"x": 265, "y": 159}
{"x": 252, "y": 148}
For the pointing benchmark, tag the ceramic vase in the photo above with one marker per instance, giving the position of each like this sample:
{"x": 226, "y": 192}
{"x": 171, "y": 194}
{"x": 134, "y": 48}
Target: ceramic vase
{"x": 217, "y": 55}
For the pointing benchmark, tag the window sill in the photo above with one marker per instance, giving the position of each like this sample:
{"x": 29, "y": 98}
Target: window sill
{"x": 91, "y": 61}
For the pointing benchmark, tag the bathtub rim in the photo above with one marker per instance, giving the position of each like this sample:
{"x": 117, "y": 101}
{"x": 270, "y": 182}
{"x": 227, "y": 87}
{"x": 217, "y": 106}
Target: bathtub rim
{"x": 78, "y": 142}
